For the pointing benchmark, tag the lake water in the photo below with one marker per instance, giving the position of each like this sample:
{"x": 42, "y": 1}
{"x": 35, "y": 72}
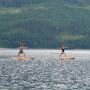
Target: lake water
{"x": 46, "y": 71}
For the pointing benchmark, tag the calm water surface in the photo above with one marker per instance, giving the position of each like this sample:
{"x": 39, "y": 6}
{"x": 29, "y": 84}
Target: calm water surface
{"x": 46, "y": 71}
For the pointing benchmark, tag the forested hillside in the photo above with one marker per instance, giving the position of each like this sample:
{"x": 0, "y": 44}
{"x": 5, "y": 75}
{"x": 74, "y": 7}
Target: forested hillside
{"x": 45, "y": 23}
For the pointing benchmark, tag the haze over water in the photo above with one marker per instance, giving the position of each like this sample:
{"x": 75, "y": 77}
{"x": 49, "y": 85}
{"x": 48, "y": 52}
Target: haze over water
{"x": 46, "y": 71}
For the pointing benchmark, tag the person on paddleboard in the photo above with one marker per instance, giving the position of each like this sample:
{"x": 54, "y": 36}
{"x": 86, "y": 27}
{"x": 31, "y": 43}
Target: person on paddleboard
{"x": 63, "y": 51}
{"x": 21, "y": 49}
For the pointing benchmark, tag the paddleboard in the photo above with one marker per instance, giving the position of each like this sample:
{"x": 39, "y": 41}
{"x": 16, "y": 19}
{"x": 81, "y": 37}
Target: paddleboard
{"x": 24, "y": 58}
{"x": 67, "y": 58}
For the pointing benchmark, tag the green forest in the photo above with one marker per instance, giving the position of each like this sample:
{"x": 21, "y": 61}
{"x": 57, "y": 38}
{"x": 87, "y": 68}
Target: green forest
{"x": 45, "y": 23}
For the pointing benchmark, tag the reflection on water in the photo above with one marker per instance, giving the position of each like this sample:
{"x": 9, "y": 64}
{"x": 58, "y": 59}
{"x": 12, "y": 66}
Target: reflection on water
{"x": 45, "y": 72}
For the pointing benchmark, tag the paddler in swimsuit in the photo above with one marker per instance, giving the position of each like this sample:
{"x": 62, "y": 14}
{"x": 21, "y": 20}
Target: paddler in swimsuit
{"x": 21, "y": 49}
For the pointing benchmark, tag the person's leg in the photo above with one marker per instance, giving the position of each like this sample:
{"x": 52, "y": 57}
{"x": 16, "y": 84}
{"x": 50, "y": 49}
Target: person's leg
{"x": 18, "y": 54}
{"x": 61, "y": 54}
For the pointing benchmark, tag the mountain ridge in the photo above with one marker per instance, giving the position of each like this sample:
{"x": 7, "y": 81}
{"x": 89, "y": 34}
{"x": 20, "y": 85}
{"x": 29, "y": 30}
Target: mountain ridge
{"x": 45, "y": 23}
